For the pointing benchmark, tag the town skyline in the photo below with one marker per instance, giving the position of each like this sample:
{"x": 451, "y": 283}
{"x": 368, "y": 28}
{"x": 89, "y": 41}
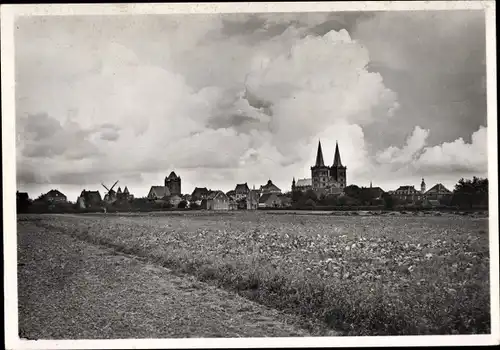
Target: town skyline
{"x": 247, "y": 98}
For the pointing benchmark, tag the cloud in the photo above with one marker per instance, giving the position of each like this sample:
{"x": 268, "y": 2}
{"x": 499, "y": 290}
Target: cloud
{"x": 416, "y": 157}
{"x": 226, "y": 99}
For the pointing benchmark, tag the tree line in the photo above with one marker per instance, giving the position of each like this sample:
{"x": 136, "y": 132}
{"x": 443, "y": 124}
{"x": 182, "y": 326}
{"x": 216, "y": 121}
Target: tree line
{"x": 467, "y": 194}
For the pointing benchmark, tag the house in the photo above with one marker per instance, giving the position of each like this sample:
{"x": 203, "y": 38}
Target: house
{"x": 158, "y": 192}
{"x": 216, "y": 200}
{"x": 438, "y": 192}
{"x": 55, "y": 196}
{"x": 270, "y": 200}
{"x": 233, "y": 205}
{"x": 22, "y": 201}
{"x": 301, "y": 185}
{"x": 241, "y": 191}
{"x": 199, "y": 193}
{"x": 22, "y": 197}
{"x": 408, "y": 194}
{"x": 269, "y": 187}
{"x": 89, "y": 199}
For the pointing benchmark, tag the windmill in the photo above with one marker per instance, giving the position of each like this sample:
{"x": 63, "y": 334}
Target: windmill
{"x": 110, "y": 196}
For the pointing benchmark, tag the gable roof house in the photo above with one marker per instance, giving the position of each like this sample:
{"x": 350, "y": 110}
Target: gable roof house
{"x": 408, "y": 193}
{"x": 158, "y": 192}
{"x": 438, "y": 191}
{"x": 55, "y": 196}
{"x": 89, "y": 199}
{"x": 216, "y": 200}
{"x": 241, "y": 191}
{"x": 269, "y": 187}
{"x": 199, "y": 193}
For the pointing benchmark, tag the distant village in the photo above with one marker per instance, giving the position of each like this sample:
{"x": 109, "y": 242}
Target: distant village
{"x": 325, "y": 188}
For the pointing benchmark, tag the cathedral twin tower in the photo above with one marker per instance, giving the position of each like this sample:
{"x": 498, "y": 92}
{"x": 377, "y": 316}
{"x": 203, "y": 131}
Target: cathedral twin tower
{"x": 327, "y": 179}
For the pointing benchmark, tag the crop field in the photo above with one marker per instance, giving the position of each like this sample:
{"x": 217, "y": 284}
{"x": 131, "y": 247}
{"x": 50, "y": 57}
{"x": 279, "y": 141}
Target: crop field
{"x": 359, "y": 275}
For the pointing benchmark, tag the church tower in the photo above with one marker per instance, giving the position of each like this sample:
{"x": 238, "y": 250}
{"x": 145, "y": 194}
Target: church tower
{"x": 293, "y": 185}
{"x": 173, "y": 182}
{"x": 319, "y": 172}
{"x": 422, "y": 186}
{"x": 338, "y": 172}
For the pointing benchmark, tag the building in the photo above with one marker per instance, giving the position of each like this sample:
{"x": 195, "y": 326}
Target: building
{"x": 158, "y": 192}
{"x": 325, "y": 179}
{"x": 89, "y": 199}
{"x": 270, "y": 200}
{"x": 216, "y": 200}
{"x": 301, "y": 185}
{"x": 241, "y": 191}
{"x": 54, "y": 196}
{"x": 269, "y": 187}
{"x": 173, "y": 182}
{"x": 438, "y": 192}
{"x": 199, "y": 194}
{"x": 408, "y": 194}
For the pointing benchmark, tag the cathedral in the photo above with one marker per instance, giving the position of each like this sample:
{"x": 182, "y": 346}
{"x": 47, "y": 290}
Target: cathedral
{"x": 324, "y": 179}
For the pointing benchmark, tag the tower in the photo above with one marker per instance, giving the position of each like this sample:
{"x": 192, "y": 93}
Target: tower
{"x": 319, "y": 172}
{"x": 173, "y": 182}
{"x": 422, "y": 186}
{"x": 293, "y": 184}
{"x": 338, "y": 172}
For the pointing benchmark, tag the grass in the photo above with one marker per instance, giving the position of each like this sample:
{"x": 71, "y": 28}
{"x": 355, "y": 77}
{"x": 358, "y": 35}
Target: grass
{"x": 372, "y": 275}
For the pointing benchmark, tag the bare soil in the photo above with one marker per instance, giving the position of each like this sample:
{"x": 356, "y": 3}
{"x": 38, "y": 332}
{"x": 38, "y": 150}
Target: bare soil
{"x": 70, "y": 289}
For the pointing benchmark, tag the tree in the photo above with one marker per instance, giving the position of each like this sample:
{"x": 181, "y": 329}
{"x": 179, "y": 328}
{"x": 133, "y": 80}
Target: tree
{"x": 310, "y": 203}
{"x": 389, "y": 201}
{"x": 194, "y": 205}
{"x": 469, "y": 193}
{"x": 310, "y": 194}
{"x": 182, "y": 204}
{"x": 296, "y": 196}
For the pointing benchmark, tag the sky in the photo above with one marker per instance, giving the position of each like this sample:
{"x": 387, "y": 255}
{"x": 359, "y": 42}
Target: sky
{"x": 235, "y": 98}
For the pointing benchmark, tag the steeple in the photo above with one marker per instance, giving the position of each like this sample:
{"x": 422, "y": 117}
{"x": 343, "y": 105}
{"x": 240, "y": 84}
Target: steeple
{"x": 319, "y": 156}
{"x": 336, "y": 160}
{"x": 370, "y": 184}
{"x": 422, "y": 186}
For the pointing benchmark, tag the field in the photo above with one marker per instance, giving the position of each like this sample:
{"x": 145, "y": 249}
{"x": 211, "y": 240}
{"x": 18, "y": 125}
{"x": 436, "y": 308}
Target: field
{"x": 358, "y": 275}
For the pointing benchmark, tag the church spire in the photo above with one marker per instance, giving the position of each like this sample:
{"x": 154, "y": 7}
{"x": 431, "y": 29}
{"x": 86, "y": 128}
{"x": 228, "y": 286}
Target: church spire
{"x": 319, "y": 156}
{"x": 336, "y": 161}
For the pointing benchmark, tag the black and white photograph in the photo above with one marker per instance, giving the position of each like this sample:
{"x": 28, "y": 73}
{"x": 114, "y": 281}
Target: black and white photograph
{"x": 267, "y": 174}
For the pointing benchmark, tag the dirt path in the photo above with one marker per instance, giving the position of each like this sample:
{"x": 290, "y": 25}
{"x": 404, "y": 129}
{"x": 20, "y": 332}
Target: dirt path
{"x": 69, "y": 289}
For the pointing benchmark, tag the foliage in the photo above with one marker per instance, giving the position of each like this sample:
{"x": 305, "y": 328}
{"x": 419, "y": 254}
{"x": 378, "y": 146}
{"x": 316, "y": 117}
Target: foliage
{"x": 372, "y": 276}
{"x": 470, "y": 193}
{"x": 182, "y": 204}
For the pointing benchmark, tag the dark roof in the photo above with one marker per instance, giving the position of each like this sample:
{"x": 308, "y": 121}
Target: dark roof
{"x": 199, "y": 191}
{"x": 160, "y": 191}
{"x": 336, "y": 160}
{"x": 319, "y": 156}
{"x": 172, "y": 176}
{"x": 54, "y": 193}
{"x": 216, "y": 193}
{"x": 265, "y": 197}
{"x": 231, "y": 193}
{"x": 438, "y": 188}
{"x": 270, "y": 187}
{"x": 91, "y": 195}
{"x": 405, "y": 188}
{"x": 242, "y": 187}
{"x": 22, "y": 195}
{"x": 125, "y": 190}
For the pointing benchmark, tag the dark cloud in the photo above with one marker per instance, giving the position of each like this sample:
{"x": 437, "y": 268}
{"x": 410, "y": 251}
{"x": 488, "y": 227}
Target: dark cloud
{"x": 436, "y": 64}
